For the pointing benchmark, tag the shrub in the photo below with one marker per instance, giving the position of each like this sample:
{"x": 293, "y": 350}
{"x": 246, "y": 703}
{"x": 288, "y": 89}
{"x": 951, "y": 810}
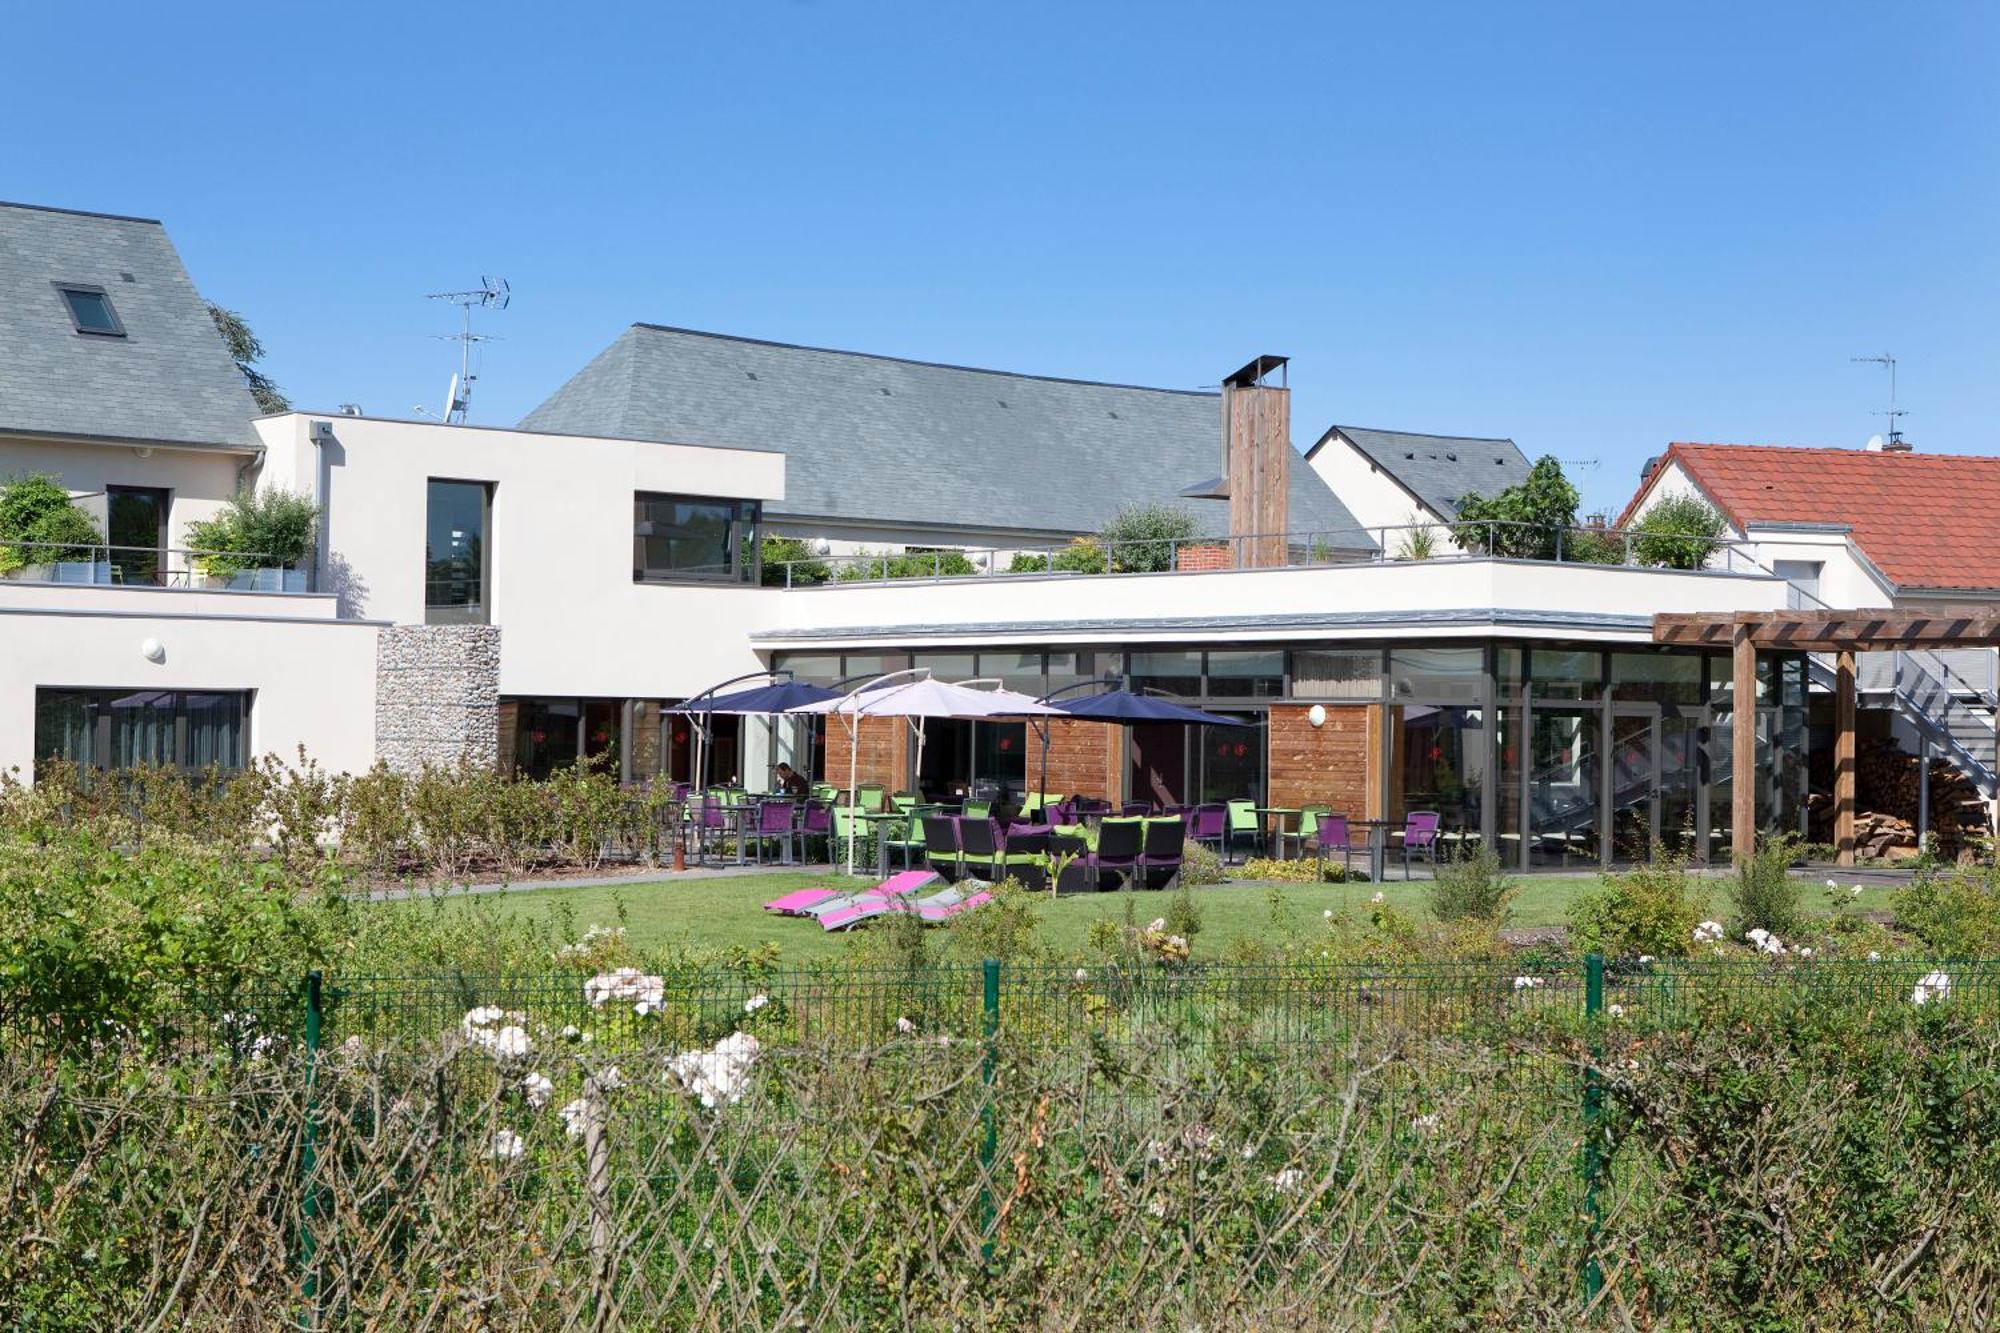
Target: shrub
{"x": 1593, "y": 544}
{"x": 1142, "y": 539}
{"x": 1471, "y": 888}
{"x": 1956, "y": 915}
{"x": 1679, "y": 532}
{"x": 1297, "y": 870}
{"x": 1651, "y": 909}
{"x": 1200, "y": 866}
{"x": 36, "y": 509}
{"x": 1526, "y": 518}
{"x": 256, "y": 528}
{"x": 1081, "y": 556}
{"x": 908, "y": 565}
{"x": 780, "y": 554}
{"x": 1763, "y": 895}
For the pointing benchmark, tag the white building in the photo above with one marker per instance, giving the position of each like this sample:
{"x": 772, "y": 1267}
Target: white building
{"x": 538, "y": 595}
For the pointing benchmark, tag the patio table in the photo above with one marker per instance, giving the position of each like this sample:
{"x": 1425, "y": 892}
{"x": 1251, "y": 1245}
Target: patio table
{"x": 878, "y": 822}
{"x": 1277, "y": 815}
{"x": 1378, "y": 844}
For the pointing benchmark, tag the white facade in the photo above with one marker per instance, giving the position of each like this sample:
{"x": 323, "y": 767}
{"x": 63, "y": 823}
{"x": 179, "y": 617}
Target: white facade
{"x": 1377, "y": 500}
{"x": 575, "y": 624}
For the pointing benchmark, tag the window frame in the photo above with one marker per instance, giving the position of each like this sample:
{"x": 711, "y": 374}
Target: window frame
{"x": 64, "y": 290}
{"x": 98, "y": 728}
{"x": 485, "y": 600}
{"x": 746, "y": 523}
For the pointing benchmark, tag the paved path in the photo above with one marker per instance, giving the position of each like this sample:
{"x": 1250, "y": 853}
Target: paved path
{"x": 640, "y": 875}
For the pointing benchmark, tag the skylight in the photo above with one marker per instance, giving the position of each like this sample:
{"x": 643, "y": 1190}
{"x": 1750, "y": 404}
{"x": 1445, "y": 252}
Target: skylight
{"x": 90, "y": 310}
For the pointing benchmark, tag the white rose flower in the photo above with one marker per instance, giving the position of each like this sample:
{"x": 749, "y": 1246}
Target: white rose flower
{"x": 905, "y": 1026}
{"x": 1933, "y": 986}
{"x": 538, "y": 1088}
{"x": 755, "y": 1002}
{"x": 574, "y": 1114}
{"x": 1287, "y": 1180}
{"x": 507, "y": 1145}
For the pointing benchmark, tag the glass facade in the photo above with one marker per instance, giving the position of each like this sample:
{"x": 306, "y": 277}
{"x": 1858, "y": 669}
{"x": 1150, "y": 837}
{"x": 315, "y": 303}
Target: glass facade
{"x": 120, "y": 729}
{"x": 683, "y": 538}
{"x": 456, "y": 552}
{"x": 1556, "y": 755}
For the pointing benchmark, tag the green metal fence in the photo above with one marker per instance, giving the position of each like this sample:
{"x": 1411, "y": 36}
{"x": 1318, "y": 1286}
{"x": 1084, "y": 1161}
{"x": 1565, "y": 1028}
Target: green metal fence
{"x": 1117, "y": 1060}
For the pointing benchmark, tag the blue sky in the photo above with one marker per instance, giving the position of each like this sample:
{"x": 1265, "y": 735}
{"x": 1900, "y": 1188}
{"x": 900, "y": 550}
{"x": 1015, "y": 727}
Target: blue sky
{"x": 1593, "y": 227}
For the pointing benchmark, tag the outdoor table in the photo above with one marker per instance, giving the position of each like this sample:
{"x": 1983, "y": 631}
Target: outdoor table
{"x": 1277, "y": 814}
{"x": 738, "y": 819}
{"x": 1378, "y": 844}
{"x": 879, "y": 821}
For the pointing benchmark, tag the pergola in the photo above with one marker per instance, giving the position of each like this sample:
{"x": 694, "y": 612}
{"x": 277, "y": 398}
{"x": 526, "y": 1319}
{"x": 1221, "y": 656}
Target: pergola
{"x": 1841, "y": 633}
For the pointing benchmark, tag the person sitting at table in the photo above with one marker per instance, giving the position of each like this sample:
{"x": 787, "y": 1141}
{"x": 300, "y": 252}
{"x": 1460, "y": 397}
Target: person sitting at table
{"x": 792, "y": 783}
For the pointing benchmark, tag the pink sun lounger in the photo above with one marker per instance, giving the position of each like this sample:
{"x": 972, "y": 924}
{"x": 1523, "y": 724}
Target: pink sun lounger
{"x": 815, "y": 902}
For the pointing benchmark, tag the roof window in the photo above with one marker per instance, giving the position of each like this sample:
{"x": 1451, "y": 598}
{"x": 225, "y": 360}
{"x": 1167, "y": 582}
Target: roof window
{"x": 90, "y": 310}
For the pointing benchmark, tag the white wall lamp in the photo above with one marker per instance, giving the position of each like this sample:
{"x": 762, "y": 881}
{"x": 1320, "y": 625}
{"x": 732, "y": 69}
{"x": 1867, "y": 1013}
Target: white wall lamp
{"x": 1316, "y": 715}
{"x": 153, "y": 651}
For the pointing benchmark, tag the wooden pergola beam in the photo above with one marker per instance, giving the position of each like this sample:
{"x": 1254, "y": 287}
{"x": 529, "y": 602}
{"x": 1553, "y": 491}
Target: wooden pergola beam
{"x": 1864, "y": 630}
{"x": 1743, "y": 748}
{"x": 1843, "y": 759}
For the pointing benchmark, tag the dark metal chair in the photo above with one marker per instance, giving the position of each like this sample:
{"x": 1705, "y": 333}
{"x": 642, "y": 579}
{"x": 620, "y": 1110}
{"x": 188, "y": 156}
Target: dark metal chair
{"x": 979, "y": 847}
{"x": 941, "y": 852}
{"x": 1119, "y": 841}
{"x": 1162, "y": 851}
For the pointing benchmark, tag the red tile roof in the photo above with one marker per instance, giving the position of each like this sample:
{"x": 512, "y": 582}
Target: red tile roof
{"x": 1925, "y": 520}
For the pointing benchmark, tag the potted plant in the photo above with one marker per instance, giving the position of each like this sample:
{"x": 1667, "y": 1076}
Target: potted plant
{"x": 257, "y": 543}
{"x": 46, "y": 537}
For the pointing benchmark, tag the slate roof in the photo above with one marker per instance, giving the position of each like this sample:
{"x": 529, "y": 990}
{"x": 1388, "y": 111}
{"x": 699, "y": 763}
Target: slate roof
{"x": 1440, "y": 470}
{"x": 169, "y": 379}
{"x": 877, "y": 438}
{"x": 1929, "y": 521}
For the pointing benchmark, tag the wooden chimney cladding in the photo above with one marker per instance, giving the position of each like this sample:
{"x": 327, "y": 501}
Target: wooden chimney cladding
{"x": 1257, "y": 442}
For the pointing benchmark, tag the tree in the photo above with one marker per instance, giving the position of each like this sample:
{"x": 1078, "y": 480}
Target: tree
{"x": 246, "y": 350}
{"x": 1679, "y": 532}
{"x": 1525, "y": 521}
{"x": 789, "y": 563}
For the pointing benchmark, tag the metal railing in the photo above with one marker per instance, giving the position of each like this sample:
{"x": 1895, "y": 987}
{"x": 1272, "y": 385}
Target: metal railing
{"x": 1386, "y": 544}
{"x": 103, "y": 565}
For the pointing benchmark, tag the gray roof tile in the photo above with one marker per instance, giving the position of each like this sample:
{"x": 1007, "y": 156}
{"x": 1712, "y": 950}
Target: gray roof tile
{"x": 914, "y": 443}
{"x": 169, "y": 379}
{"x": 1440, "y": 470}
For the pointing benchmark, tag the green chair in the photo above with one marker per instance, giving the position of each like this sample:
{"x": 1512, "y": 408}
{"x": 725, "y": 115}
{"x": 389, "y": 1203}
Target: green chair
{"x": 1308, "y": 829}
{"x": 869, "y": 796}
{"x": 848, "y": 823}
{"x": 906, "y": 800}
{"x": 910, "y": 846}
{"x": 825, "y": 791}
{"x": 978, "y": 810}
{"x": 1241, "y": 821}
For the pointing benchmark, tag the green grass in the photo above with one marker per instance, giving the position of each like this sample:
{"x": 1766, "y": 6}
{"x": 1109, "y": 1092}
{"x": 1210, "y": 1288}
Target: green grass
{"x": 712, "y": 914}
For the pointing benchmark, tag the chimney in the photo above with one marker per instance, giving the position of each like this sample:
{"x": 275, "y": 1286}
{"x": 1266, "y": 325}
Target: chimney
{"x": 1892, "y": 443}
{"x": 1257, "y": 460}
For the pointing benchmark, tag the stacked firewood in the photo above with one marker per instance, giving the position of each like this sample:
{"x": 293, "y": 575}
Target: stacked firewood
{"x": 1886, "y": 802}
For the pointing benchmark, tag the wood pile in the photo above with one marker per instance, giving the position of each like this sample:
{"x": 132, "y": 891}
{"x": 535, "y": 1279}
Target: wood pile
{"x": 1886, "y": 800}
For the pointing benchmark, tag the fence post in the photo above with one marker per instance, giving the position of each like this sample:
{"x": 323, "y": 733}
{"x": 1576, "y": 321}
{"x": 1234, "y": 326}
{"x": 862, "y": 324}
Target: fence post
{"x": 309, "y": 1155}
{"x": 1593, "y": 1113}
{"x": 989, "y": 1128}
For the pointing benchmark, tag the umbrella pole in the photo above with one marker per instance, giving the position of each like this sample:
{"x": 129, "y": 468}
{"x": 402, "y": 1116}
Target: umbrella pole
{"x": 853, "y": 780}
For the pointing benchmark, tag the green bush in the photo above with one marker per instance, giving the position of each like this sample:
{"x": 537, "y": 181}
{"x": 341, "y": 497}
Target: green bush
{"x": 1763, "y": 895}
{"x": 1651, "y": 909}
{"x": 1293, "y": 870}
{"x": 1527, "y": 517}
{"x": 1200, "y": 866}
{"x": 1142, "y": 539}
{"x": 865, "y": 565}
{"x": 1471, "y": 888}
{"x": 258, "y": 529}
{"x": 1679, "y": 532}
{"x": 1956, "y": 914}
{"x": 36, "y": 509}
{"x": 1081, "y": 556}
{"x": 782, "y": 553}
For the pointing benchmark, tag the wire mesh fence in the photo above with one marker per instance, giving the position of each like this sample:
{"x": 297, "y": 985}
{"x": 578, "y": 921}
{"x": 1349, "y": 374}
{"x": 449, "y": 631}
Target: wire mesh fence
{"x": 1297, "y": 1146}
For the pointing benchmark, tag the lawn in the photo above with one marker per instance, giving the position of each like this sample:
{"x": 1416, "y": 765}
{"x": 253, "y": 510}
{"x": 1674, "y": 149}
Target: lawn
{"x": 707, "y": 914}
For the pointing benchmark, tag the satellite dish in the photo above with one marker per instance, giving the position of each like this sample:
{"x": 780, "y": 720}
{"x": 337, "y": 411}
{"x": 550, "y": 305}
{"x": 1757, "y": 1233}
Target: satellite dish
{"x": 1875, "y": 443}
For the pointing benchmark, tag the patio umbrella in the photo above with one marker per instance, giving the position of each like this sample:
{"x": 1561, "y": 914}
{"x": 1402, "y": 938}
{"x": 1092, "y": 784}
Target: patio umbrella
{"x": 1125, "y": 707}
{"x": 915, "y": 700}
{"x": 784, "y": 696}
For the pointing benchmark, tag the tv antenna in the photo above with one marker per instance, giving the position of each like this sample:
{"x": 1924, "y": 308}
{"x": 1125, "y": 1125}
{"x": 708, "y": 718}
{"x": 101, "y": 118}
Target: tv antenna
{"x": 491, "y": 294}
{"x": 1579, "y": 462}
{"x": 1894, "y": 413}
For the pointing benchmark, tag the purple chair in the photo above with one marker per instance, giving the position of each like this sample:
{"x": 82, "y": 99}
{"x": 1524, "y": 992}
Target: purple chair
{"x": 816, "y": 824}
{"x": 711, "y": 823}
{"x": 774, "y": 824}
{"x": 1136, "y": 809}
{"x": 1064, "y": 812}
{"x": 1332, "y": 834}
{"x": 1207, "y": 825}
{"x": 1420, "y": 834}
{"x": 1161, "y": 851}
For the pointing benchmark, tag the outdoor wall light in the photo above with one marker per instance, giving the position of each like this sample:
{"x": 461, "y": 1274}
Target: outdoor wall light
{"x": 153, "y": 651}
{"x": 822, "y": 547}
{"x": 1316, "y": 715}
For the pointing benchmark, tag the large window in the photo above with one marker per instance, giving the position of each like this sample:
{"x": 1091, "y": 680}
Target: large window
{"x": 676, "y": 538}
{"x": 137, "y": 532}
{"x": 119, "y": 729}
{"x": 550, "y": 734}
{"x": 456, "y": 557}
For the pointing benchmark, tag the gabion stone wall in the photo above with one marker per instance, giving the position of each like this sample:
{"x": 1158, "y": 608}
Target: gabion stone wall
{"x": 437, "y": 695}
